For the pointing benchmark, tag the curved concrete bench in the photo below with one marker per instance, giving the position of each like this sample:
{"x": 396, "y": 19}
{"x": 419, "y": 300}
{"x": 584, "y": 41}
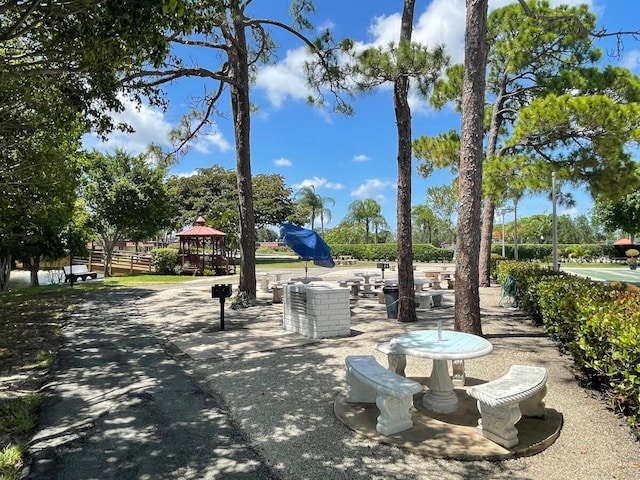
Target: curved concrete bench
{"x": 370, "y": 382}
{"x": 502, "y": 402}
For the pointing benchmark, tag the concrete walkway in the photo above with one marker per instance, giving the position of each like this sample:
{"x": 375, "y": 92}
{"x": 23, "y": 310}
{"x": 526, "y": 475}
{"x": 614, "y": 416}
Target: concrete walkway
{"x": 118, "y": 407}
{"x": 149, "y": 387}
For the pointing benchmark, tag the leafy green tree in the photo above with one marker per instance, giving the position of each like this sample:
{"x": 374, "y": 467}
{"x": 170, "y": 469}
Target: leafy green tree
{"x": 443, "y": 201}
{"x": 125, "y": 198}
{"x": 265, "y": 234}
{"x": 236, "y": 42}
{"x": 345, "y": 232}
{"x": 532, "y": 61}
{"x": 423, "y": 221}
{"x": 39, "y": 171}
{"x": 398, "y": 64}
{"x": 623, "y": 214}
{"x": 81, "y": 48}
{"x": 212, "y": 192}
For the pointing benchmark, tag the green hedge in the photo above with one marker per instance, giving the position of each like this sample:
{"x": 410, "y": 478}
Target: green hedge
{"x": 544, "y": 252}
{"x": 389, "y": 252}
{"x": 597, "y": 323}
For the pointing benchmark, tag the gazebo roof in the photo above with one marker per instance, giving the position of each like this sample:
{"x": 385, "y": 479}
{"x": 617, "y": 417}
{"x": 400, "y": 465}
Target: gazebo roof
{"x": 200, "y": 230}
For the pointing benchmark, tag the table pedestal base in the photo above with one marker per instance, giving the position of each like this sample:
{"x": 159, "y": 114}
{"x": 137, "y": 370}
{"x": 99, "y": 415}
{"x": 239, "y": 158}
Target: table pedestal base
{"x": 440, "y": 396}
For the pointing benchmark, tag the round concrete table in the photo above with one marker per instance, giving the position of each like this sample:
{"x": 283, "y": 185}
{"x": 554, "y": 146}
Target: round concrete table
{"x": 366, "y": 286}
{"x": 440, "y": 346}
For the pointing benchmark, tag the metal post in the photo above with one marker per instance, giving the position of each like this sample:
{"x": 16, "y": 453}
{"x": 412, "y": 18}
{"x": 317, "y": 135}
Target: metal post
{"x": 515, "y": 229}
{"x": 555, "y": 223}
{"x": 222, "y": 313}
{"x": 70, "y": 254}
{"x": 502, "y": 211}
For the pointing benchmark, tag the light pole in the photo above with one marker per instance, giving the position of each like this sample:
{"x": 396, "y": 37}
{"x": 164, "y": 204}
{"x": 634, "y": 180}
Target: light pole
{"x": 515, "y": 229}
{"x": 70, "y": 254}
{"x": 502, "y": 212}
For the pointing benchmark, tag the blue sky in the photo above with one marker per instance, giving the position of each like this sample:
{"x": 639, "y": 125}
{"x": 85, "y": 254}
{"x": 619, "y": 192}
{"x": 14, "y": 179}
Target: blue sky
{"x": 345, "y": 158}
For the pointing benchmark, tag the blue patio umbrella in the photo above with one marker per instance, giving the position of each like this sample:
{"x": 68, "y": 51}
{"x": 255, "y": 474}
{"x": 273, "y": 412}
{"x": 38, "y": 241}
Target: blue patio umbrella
{"x": 307, "y": 244}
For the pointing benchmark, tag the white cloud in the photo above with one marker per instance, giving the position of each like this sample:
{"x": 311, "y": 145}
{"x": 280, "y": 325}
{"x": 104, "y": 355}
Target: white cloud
{"x": 187, "y": 174}
{"x": 318, "y": 182}
{"x": 373, "y": 188}
{"x": 150, "y": 127}
{"x": 441, "y": 23}
{"x": 282, "y": 162}
{"x": 631, "y": 60}
{"x": 286, "y": 79}
{"x": 361, "y": 158}
{"x": 204, "y": 143}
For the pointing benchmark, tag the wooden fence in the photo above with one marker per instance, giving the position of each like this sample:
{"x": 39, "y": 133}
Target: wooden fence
{"x": 121, "y": 262}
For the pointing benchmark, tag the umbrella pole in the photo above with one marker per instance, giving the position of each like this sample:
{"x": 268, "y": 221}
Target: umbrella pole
{"x": 306, "y": 262}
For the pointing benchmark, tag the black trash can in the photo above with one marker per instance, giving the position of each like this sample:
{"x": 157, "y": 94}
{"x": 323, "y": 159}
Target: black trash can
{"x": 391, "y": 300}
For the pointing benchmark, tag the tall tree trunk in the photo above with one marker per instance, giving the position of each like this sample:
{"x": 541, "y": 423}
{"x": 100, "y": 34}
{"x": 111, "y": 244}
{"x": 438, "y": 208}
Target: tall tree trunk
{"x": 406, "y": 292}
{"x": 34, "y": 266}
{"x": 486, "y": 239}
{"x": 467, "y": 294}
{"x": 489, "y": 203}
{"x": 5, "y": 271}
{"x": 241, "y": 108}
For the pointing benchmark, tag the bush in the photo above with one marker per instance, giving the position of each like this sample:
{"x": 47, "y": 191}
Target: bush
{"x": 165, "y": 260}
{"x": 608, "y": 346}
{"x": 597, "y": 323}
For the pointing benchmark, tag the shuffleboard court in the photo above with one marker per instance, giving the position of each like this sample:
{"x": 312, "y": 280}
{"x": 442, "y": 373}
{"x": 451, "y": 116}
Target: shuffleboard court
{"x": 606, "y": 274}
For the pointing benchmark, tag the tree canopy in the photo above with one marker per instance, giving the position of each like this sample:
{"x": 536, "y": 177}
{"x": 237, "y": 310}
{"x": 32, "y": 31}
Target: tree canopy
{"x": 125, "y": 197}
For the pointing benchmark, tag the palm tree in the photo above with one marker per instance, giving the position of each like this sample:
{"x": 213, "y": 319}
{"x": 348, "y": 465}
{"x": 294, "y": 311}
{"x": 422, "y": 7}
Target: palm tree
{"x": 325, "y": 212}
{"x": 423, "y": 218}
{"x": 310, "y": 201}
{"x": 379, "y": 223}
{"x": 364, "y": 211}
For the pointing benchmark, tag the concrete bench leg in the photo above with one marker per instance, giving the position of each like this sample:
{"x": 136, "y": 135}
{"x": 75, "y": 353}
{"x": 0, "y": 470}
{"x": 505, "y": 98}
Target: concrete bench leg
{"x": 437, "y": 300}
{"x": 426, "y": 301}
{"x": 394, "y": 414}
{"x": 498, "y": 423}
{"x": 277, "y": 295}
{"x": 534, "y": 406}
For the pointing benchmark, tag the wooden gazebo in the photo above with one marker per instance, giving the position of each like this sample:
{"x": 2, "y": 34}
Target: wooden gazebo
{"x": 203, "y": 248}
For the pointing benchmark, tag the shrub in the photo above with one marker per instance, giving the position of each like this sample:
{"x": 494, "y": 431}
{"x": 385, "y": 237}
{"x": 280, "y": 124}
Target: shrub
{"x": 165, "y": 260}
{"x": 599, "y": 325}
{"x": 608, "y": 345}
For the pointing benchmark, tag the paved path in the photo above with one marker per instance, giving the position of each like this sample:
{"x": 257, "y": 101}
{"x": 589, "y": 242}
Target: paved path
{"x": 118, "y": 407}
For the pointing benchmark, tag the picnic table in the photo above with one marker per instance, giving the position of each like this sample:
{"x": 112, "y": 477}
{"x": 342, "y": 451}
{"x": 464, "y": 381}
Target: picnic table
{"x": 265, "y": 276}
{"x": 366, "y": 286}
{"x": 440, "y": 345}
